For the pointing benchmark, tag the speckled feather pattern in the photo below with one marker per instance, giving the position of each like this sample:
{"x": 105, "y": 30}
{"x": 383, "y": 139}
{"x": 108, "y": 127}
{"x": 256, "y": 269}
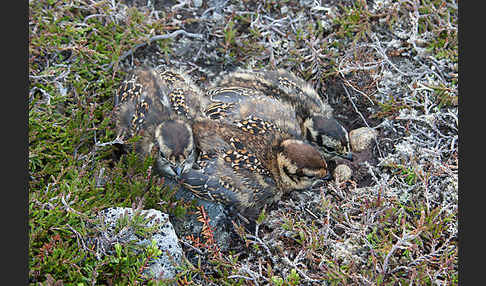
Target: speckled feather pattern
{"x": 251, "y": 110}
{"x": 280, "y": 84}
{"x": 240, "y": 142}
{"x": 238, "y": 132}
{"x": 312, "y": 115}
{"x": 236, "y": 167}
{"x": 156, "y": 105}
{"x": 150, "y": 96}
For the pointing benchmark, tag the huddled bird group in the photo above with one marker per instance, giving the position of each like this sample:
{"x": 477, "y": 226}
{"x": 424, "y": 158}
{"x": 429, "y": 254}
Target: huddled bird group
{"x": 244, "y": 141}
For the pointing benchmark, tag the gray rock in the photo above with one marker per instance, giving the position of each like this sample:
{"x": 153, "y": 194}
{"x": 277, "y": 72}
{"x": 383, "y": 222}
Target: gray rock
{"x": 342, "y": 173}
{"x": 190, "y": 225}
{"x": 166, "y": 239}
{"x": 197, "y": 3}
{"x": 362, "y": 138}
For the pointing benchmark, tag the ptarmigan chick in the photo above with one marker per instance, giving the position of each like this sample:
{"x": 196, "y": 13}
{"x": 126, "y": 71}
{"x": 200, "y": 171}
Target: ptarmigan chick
{"x": 158, "y": 105}
{"x": 315, "y": 117}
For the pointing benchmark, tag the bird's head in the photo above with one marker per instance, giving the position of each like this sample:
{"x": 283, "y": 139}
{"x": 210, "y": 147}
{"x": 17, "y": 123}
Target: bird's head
{"x": 176, "y": 147}
{"x": 328, "y": 134}
{"x": 300, "y": 164}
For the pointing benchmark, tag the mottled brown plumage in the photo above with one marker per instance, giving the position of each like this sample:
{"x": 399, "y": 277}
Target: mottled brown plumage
{"x": 251, "y": 110}
{"x": 158, "y": 105}
{"x": 251, "y": 147}
{"x": 315, "y": 118}
{"x": 248, "y": 161}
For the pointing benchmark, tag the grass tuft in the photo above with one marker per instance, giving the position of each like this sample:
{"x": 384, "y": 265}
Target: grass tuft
{"x": 390, "y": 65}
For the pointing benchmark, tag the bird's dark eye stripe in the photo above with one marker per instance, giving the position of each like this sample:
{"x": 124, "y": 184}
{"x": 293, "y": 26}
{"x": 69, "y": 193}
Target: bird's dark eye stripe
{"x": 301, "y": 174}
{"x": 309, "y": 135}
{"x": 287, "y": 172}
{"x": 329, "y": 149}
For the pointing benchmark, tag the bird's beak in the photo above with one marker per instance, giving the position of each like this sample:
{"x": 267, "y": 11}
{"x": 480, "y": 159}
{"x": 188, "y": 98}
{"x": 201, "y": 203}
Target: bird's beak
{"x": 327, "y": 177}
{"x": 178, "y": 171}
{"x": 168, "y": 170}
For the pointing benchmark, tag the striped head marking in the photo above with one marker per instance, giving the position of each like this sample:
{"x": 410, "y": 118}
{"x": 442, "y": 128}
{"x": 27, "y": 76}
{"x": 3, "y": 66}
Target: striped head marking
{"x": 300, "y": 164}
{"x": 328, "y": 134}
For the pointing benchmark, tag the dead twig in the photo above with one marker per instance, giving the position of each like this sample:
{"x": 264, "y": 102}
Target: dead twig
{"x": 362, "y": 117}
{"x": 152, "y": 39}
